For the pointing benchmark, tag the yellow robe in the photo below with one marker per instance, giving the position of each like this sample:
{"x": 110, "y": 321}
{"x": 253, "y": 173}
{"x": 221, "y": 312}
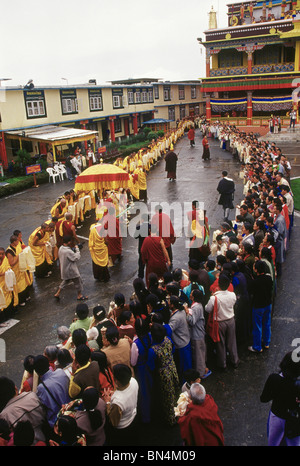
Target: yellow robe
{"x": 22, "y": 278}
{"x": 64, "y": 210}
{"x": 134, "y": 186}
{"x": 18, "y": 250}
{"x": 39, "y": 250}
{"x": 98, "y": 248}
{"x": 142, "y": 179}
{"x": 9, "y": 296}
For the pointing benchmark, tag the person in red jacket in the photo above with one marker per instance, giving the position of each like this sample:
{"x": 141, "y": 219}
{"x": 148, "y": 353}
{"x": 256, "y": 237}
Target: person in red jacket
{"x": 200, "y": 425}
{"x": 206, "y": 151}
{"x": 191, "y": 136}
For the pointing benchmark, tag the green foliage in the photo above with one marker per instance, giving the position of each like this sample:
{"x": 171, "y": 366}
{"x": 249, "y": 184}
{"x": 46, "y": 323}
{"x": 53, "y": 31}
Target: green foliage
{"x": 43, "y": 163}
{"x": 153, "y": 135}
{"x": 22, "y": 160}
{"x": 295, "y": 185}
{"x": 17, "y": 185}
{"x": 147, "y": 130}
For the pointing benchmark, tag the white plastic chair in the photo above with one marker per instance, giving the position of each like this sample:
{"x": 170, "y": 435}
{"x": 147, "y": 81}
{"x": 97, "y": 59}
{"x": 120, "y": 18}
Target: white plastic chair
{"x": 62, "y": 171}
{"x": 56, "y": 169}
{"x": 52, "y": 174}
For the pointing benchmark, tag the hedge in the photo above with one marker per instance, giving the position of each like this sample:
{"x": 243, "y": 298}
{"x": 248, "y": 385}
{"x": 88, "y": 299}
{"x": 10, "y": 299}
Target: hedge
{"x": 23, "y": 184}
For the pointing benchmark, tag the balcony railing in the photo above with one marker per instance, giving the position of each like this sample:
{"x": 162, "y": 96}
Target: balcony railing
{"x": 256, "y": 69}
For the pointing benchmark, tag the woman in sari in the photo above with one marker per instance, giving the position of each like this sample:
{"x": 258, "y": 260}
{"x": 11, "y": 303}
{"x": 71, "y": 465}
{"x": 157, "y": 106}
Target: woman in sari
{"x": 166, "y": 387}
{"x": 142, "y": 361}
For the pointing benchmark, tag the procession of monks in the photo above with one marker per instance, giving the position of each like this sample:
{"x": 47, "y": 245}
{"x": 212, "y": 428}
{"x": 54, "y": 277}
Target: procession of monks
{"x": 20, "y": 262}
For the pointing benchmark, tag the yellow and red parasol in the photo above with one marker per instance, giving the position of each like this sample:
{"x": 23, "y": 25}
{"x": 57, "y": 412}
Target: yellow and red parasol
{"x": 102, "y": 176}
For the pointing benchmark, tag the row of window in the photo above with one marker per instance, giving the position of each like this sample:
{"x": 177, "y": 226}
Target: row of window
{"x": 193, "y": 110}
{"x": 36, "y": 107}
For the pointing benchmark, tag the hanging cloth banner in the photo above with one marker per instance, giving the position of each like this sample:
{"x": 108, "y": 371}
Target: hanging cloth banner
{"x": 225, "y": 105}
{"x": 272, "y": 104}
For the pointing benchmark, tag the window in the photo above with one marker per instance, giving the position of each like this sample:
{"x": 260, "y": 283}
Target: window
{"x": 95, "y": 99}
{"x": 69, "y": 105}
{"x": 156, "y": 92}
{"x": 116, "y": 101}
{"x": 181, "y": 93}
{"x": 137, "y": 97}
{"x": 167, "y": 93}
{"x": 130, "y": 96}
{"x": 230, "y": 58}
{"x": 171, "y": 111}
{"x": 35, "y": 103}
{"x": 270, "y": 54}
{"x": 35, "y": 108}
{"x": 193, "y": 92}
{"x": 182, "y": 113}
{"x": 150, "y": 95}
{"x": 96, "y": 103}
{"x": 118, "y": 125}
{"x": 144, "y": 96}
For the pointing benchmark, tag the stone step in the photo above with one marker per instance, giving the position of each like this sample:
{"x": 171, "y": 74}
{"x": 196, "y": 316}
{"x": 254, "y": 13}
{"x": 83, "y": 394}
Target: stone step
{"x": 285, "y": 135}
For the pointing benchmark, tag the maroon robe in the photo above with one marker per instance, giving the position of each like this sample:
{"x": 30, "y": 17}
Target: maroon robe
{"x": 165, "y": 228}
{"x": 114, "y": 240}
{"x": 153, "y": 256}
{"x": 201, "y": 425}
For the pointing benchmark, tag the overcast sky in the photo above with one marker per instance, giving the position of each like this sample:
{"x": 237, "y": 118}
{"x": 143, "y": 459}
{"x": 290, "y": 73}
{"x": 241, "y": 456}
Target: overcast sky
{"x": 104, "y": 40}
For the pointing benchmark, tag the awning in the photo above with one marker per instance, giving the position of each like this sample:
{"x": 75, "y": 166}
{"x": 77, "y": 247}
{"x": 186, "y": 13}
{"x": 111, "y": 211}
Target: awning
{"x": 156, "y": 121}
{"x": 55, "y": 135}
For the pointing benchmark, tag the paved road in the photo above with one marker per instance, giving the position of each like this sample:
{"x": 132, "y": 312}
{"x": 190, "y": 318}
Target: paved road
{"x": 237, "y": 391}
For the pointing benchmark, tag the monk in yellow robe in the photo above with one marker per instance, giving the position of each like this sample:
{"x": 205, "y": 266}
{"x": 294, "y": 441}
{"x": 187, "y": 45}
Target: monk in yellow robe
{"x": 20, "y": 248}
{"x": 142, "y": 181}
{"x": 9, "y": 297}
{"x": 60, "y": 208}
{"x": 133, "y": 186}
{"x": 99, "y": 253}
{"x": 22, "y": 278}
{"x": 42, "y": 249}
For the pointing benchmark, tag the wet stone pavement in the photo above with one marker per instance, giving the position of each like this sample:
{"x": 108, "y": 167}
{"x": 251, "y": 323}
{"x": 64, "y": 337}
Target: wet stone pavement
{"x": 235, "y": 391}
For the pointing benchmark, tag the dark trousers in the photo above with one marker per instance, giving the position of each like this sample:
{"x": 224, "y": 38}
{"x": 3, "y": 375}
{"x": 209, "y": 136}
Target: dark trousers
{"x": 141, "y": 269}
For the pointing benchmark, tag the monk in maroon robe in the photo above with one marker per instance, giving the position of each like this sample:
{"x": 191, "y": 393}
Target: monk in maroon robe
{"x": 113, "y": 238}
{"x": 155, "y": 255}
{"x": 200, "y": 425}
{"x": 165, "y": 229}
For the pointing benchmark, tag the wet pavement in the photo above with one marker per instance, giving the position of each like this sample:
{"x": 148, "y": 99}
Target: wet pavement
{"x": 236, "y": 391}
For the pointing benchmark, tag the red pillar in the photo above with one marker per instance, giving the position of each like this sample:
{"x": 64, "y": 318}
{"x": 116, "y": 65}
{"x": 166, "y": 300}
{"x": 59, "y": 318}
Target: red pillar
{"x": 249, "y": 63}
{"x": 126, "y": 127}
{"x": 112, "y": 129}
{"x": 135, "y": 124}
{"x": 249, "y": 109}
{"x": 208, "y": 108}
{"x": 3, "y": 154}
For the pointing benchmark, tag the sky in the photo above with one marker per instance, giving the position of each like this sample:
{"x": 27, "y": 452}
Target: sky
{"x": 71, "y": 41}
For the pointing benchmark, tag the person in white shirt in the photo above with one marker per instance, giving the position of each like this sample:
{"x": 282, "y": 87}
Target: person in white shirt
{"x": 289, "y": 200}
{"x": 226, "y": 320}
{"x": 121, "y": 408}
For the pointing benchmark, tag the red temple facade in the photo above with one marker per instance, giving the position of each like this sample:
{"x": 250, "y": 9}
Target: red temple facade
{"x": 253, "y": 65}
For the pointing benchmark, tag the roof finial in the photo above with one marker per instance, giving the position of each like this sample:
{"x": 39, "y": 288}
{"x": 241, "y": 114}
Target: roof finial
{"x": 212, "y": 19}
